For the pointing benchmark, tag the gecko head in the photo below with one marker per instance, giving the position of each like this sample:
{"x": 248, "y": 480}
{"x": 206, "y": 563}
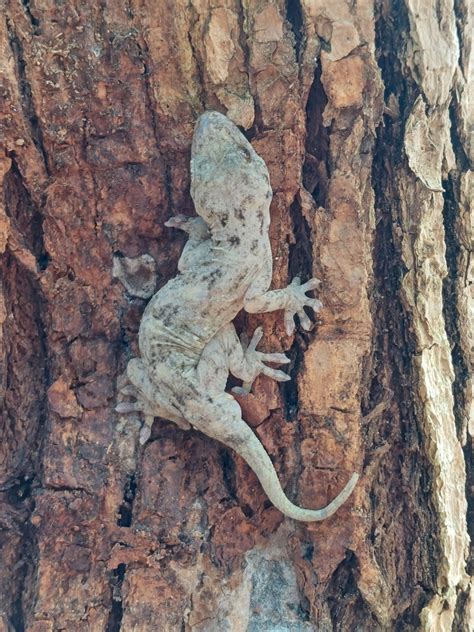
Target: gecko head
{"x": 229, "y": 180}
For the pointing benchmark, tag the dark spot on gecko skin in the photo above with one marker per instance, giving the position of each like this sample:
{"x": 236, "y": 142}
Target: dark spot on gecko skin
{"x": 223, "y": 220}
{"x": 167, "y": 320}
{"x": 179, "y": 398}
{"x": 261, "y": 217}
{"x": 166, "y": 314}
{"x": 254, "y": 245}
{"x": 239, "y": 213}
{"x": 234, "y": 240}
{"x": 212, "y": 277}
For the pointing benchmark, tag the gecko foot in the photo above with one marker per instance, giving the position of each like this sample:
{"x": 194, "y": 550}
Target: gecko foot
{"x": 296, "y": 302}
{"x": 141, "y": 405}
{"x": 255, "y": 361}
{"x": 195, "y": 226}
{"x": 132, "y": 407}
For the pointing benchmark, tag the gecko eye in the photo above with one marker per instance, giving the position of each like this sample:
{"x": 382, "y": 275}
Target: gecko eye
{"x": 245, "y": 153}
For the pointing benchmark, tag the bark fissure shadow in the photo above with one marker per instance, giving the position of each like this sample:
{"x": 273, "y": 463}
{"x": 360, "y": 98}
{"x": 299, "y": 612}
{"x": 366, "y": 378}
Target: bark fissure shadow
{"x": 300, "y": 264}
{"x": 26, "y": 383}
{"x": 242, "y": 17}
{"x": 34, "y": 21}
{"x": 453, "y": 330}
{"x": 125, "y": 512}
{"x": 114, "y": 623}
{"x": 26, "y": 217}
{"x": 450, "y": 312}
{"x": 343, "y": 610}
{"x": 393, "y": 370}
{"x": 17, "y": 505}
{"x": 229, "y": 473}
{"x": 198, "y": 61}
{"x": 316, "y": 167}
{"x": 300, "y": 251}
{"x": 294, "y": 15}
{"x": 24, "y": 304}
{"x": 151, "y": 103}
{"x": 25, "y": 594}
{"x": 25, "y": 389}
{"x": 27, "y": 101}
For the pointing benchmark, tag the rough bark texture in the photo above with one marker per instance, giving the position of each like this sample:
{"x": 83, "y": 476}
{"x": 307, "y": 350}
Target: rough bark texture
{"x": 360, "y": 110}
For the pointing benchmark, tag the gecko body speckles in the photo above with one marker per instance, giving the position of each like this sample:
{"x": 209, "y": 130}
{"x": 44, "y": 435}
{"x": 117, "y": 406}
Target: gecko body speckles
{"x": 188, "y": 344}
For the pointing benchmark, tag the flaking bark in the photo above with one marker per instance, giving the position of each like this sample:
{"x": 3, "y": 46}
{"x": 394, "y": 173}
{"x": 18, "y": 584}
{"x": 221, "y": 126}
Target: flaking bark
{"x": 360, "y": 110}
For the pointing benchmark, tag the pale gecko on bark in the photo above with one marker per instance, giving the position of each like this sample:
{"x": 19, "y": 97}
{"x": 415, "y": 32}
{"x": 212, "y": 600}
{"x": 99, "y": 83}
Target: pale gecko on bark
{"x": 187, "y": 341}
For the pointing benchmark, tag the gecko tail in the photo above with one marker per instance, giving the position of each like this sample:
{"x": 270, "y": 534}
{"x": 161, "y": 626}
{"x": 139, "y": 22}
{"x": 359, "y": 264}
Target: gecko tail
{"x": 236, "y": 434}
{"x": 257, "y": 458}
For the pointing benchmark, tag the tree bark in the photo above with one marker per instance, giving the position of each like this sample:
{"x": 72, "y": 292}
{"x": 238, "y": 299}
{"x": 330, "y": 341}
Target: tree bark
{"x": 360, "y": 110}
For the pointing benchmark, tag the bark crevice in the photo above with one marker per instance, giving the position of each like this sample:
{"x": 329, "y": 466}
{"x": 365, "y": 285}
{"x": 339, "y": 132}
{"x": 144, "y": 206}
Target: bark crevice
{"x": 125, "y": 512}
{"x": 152, "y": 110}
{"x": 229, "y": 473}
{"x": 27, "y": 100}
{"x": 35, "y": 23}
{"x": 316, "y": 168}
{"x": 114, "y": 623}
{"x": 25, "y": 401}
{"x": 27, "y": 219}
{"x": 450, "y": 311}
{"x": 294, "y": 15}
{"x": 26, "y": 417}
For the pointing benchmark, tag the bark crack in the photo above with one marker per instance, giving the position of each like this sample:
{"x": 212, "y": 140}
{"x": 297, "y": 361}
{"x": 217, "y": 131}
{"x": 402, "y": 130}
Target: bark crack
{"x": 151, "y": 107}
{"x": 453, "y": 330}
{"x": 396, "y": 434}
{"x": 228, "y": 473}
{"x": 18, "y": 506}
{"x": 197, "y": 59}
{"x": 25, "y": 216}
{"x": 125, "y": 511}
{"x": 243, "y": 40}
{"x": 300, "y": 263}
{"x": 33, "y": 21}
{"x": 24, "y": 303}
{"x": 316, "y": 169}
{"x": 294, "y": 15}
{"x": 27, "y": 380}
{"x": 27, "y": 101}
{"x": 114, "y": 623}
{"x": 450, "y": 311}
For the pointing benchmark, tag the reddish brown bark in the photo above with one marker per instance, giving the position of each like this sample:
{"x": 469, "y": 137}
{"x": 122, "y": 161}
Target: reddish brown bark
{"x": 100, "y": 103}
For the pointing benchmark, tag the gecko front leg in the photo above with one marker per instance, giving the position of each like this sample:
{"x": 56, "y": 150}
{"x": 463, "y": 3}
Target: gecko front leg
{"x": 291, "y": 299}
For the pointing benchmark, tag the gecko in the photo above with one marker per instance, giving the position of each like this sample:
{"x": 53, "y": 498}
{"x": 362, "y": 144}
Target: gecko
{"x": 187, "y": 341}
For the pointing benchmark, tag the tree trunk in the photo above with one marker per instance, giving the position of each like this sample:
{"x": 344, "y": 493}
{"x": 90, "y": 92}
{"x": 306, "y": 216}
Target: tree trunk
{"x": 360, "y": 110}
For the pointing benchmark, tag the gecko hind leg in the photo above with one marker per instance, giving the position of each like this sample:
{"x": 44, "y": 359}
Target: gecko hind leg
{"x": 149, "y": 400}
